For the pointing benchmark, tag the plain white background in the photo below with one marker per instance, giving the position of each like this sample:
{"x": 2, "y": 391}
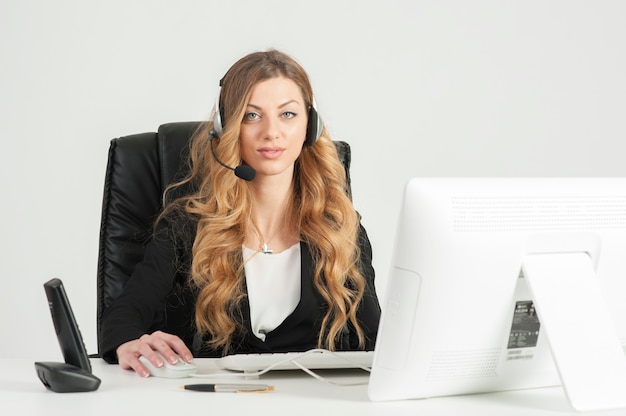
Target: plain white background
{"x": 418, "y": 88}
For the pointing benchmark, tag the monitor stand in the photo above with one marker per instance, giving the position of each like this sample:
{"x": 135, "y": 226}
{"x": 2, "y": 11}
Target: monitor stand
{"x": 577, "y": 323}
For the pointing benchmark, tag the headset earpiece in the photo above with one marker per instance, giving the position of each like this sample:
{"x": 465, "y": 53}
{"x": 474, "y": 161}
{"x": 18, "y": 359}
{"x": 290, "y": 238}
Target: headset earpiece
{"x": 218, "y": 114}
{"x": 313, "y": 128}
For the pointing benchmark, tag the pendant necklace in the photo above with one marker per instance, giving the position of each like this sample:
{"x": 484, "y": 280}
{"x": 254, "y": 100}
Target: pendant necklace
{"x": 266, "y": 250}
{"x": 264, "y": 246}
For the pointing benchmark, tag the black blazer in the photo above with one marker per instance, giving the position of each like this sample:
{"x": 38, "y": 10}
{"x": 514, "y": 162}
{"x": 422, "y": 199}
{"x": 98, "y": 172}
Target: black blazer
{"x": 161, "y": 278}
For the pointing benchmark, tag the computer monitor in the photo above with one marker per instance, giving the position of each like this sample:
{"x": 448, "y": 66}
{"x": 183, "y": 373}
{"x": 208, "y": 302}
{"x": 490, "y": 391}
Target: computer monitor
{"x": 506, "y": 283}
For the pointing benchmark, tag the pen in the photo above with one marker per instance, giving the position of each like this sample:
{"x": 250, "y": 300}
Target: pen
{"x": 229, "y": 388}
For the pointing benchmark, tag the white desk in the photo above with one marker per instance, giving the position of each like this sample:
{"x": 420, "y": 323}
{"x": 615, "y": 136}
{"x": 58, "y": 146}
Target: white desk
{"x": 296, "y": 393}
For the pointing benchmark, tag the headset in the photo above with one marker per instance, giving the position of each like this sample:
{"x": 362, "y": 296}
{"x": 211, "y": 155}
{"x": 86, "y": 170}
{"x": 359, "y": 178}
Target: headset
{"x": 313, "y": 129}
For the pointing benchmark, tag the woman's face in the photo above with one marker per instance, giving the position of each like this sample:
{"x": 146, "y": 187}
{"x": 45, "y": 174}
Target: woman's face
{"x": 273, "y": 128}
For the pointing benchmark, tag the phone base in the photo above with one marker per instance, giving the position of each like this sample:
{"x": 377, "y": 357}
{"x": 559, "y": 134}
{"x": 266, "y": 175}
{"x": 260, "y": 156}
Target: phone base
{"x": 66, "y": 378}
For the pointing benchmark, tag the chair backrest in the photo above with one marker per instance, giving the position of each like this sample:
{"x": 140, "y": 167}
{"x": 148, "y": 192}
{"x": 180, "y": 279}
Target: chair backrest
{"x": 139, "y": 168}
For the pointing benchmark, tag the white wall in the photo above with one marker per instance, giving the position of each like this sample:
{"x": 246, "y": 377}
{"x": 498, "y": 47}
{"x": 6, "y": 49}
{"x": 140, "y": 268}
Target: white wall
{"x": 419, "y": 88}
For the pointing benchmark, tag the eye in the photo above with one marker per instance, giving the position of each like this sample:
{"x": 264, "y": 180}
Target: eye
{"x": 251, "y": 116}
{"x": 289, "y": 114}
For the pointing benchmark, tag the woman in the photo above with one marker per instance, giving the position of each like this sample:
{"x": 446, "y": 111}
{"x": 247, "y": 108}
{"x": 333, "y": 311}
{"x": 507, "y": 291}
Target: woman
{"x": 276, "y": 262}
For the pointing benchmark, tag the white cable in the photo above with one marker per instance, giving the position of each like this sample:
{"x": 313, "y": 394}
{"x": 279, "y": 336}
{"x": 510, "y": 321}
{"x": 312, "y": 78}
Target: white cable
{"x": 325, "y": 380}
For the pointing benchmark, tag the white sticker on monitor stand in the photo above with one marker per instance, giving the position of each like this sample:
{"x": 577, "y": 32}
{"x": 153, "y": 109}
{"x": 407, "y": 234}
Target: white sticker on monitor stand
{"x": 524, "y": 331}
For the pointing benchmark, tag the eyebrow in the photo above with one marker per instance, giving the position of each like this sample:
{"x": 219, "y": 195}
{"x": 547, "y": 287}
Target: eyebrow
{"x": 280, "y": 106}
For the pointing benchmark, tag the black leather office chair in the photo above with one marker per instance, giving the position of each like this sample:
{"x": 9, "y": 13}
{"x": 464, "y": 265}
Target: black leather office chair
{"x": 139, "y": 168}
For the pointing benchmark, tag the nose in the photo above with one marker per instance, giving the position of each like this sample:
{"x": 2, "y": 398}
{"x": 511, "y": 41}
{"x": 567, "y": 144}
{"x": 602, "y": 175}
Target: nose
{"x": 271, "y": 128}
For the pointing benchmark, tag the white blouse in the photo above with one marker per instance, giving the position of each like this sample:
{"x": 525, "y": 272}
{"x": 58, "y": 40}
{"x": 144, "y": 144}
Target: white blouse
{"x": 273, "y": 282}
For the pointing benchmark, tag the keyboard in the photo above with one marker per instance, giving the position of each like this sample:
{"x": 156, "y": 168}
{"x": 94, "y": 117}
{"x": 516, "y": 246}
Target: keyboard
{"x": 317, "y": 359}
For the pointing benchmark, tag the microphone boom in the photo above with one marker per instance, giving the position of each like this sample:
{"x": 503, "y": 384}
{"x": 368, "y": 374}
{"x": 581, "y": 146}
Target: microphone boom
{"x": 242, "y": 171}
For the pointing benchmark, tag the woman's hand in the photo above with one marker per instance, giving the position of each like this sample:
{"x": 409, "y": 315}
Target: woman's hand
{"x": 171, "y": 347}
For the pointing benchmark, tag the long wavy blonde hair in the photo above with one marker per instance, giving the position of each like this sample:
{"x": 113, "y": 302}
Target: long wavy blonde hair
{"x": 320, "y": 210}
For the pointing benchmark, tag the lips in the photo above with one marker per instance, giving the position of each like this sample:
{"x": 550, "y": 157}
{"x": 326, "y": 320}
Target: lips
{"x": 271, "y": 152}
